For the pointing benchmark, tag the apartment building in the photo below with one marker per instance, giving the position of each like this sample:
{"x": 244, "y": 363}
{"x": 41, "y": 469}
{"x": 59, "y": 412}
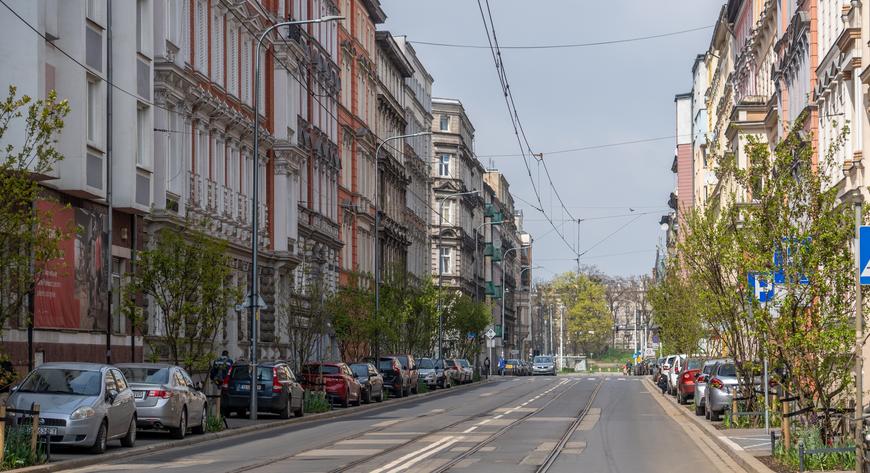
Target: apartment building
{"x": 418, "y": 158}
{"x": 357, "y": 116}
{"x": 457, "y": 186}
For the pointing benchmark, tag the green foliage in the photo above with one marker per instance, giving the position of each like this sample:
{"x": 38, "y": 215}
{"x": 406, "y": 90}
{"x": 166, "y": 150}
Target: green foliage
{"x": 214, "y": 423}
{"x": 29, "y": 240}
{"x": 16, "y": 450}
{"x": 677, "y": 313}
{"x": 588, "y": 320}
{"x": 464, "y": 315}
{"x": 353, "y": 319}
{"x": 612, "y": 355}
{"x": 186, "y": 276}
{"x": 825, "y": 462}
{"x": 315, "y": 401}
{"x": 304, "y": 315}
{"x": 422, "y": 387}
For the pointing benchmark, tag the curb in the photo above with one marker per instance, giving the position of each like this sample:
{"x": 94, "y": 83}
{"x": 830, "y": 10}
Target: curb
{"x": 239, "y": 431}
{"x": 747, "y": 461}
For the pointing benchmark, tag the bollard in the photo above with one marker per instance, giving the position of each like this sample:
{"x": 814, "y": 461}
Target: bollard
{"x": 2, "y": 431}
{"x": 772, "y": 443}
{"x": 34, "y": 429}
{"x": 801, "y": 457}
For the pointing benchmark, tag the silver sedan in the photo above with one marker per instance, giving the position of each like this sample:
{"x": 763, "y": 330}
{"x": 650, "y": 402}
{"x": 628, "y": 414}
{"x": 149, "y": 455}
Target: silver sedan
{"x": 166, "y": 398}
{"x": 80, "y": 404}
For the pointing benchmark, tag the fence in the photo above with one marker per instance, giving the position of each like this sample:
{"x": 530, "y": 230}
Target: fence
{"x": 35, "y": 429}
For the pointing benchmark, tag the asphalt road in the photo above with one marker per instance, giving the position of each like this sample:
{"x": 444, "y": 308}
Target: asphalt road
{"x": 569, "y": 424}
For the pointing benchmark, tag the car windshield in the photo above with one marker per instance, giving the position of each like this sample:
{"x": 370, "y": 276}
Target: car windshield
{"x": 694, "y": 364}
{"x": 321, "y": 369}
{"x": 464, "y": 363}
{"x": 146, "y": 375}
{"x": 543, "y": 359}
{"x": 728, "y": 369}
{"x": 451, "y": 363}
{"x": 360, "y": 370}
{"x": 264, "y": 373}
{"x": 63, "y": 381}
{"x": 513, "y": 362}
{"x": 403, "y": 360}
{"x": 426, "y": 364}
{"x": 385, "y": 365}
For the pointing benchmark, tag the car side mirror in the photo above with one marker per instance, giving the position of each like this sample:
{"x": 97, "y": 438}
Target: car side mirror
{"x": 111, "y": 395}
{"x": 198, "y": 386}
{"x": 356, "y": 376}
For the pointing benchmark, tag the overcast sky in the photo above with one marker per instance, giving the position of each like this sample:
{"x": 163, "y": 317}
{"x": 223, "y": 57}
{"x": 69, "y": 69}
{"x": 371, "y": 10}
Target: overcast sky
{"x": 572, "y": 98}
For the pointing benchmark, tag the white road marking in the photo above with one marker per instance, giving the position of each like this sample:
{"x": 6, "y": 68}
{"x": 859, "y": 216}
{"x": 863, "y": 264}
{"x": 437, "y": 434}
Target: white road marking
{"x": 484, "y": 422}
{"x": 401, "y": 459}
{"x": 331, "y": 452}
{"x": 425, "y": 456}
{"x": 498, "y": 416}
{"x": 590, "y": 379}
{"x": 470, "y": 429}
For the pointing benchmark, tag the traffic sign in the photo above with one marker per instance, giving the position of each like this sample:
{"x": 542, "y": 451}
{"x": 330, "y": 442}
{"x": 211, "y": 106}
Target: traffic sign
{"x": 864, "y": 254}
{"x": 650, "y": 352}
{"x": 490, "y": 333}
{"x": 762, "y": 289}
{"x": 260, "y": 304}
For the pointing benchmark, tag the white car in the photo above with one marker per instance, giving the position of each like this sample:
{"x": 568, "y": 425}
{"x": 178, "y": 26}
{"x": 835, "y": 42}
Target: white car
{"x": 677, "y": 365}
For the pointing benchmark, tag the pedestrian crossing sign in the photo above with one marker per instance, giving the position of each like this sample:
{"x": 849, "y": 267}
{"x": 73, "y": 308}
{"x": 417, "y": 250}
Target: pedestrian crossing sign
{"x": 864, "y": 254}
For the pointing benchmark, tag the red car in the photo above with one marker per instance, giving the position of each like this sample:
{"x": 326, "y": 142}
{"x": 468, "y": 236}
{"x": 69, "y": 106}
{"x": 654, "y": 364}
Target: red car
{"x": 686, "y": 379}
{"x": 339, "y": 382}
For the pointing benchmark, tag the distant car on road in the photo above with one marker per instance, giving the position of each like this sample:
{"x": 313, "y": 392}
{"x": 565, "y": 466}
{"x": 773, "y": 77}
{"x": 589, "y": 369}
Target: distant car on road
{"x": 166, "y": 398}
{"x": 453, "y": 370}
{"x": 80, "y": 404}
{"x": 395, "y": 378}
{"x": 341, "y": 386}
{"x": 277, "y": 390}
{"x": 513, "y": 367}
{"x": 431, "y": 372}
{"x": 409, "y": 366}
{"x": 467, "y": 369}
{"x": 370, "y": 380}
{"x": 544, "y": 365}
{"x": 686, "y": 379}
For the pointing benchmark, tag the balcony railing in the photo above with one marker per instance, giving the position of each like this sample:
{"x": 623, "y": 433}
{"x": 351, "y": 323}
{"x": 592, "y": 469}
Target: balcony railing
{"x": 228, "y": 208}
{"x": 212, "y": 195}
{"x": 194, "y": 191}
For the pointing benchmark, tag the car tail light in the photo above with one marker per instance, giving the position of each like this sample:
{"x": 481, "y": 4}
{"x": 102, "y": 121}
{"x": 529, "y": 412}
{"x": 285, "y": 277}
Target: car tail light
{"x": 161, "y": 393}
{"x": 687, "y": 375}
{"x": 701, "y": 378}
{"x": 717, "y": 383}
{"x": 276, "y": 385}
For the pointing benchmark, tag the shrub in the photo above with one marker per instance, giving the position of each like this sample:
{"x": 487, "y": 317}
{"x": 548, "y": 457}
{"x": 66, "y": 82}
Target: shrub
{"x": 811, "y": 439}
{"x": 214, "y": 423}
{"x": 315, "y": 401}
{"x": 17, "y": 452}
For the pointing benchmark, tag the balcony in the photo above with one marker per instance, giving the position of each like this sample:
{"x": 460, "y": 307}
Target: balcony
{"x": 211, "y": 195}
{"x": 194, "y": 191}
{"x": 493, "y": 251}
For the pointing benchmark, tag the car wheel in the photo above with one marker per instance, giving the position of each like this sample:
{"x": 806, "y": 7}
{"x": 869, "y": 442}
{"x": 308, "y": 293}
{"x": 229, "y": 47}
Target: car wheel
{"x": 346, "y": 402}
{"x": 180, "y": 431}
{"x": 699, "y": 410}
{"x": 299, "y": 412}
{"x": 99, "y": 446}
{"x": 358, "y": 399}
{"x": 286, "y": 410}
{"x": 203, "y": 422}
{"x": 129, "y": 440}
{"x": 680, "y": 398}
{"x": 381, "y": 396}
{"x": 414, "y": 388}
{"x": 714, "y": 416}
{"x": 368, "y": 396}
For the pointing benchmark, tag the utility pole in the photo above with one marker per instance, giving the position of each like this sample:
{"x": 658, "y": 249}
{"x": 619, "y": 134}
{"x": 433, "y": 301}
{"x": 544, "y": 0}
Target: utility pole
{"x": 859, "y": 342}
{"x": 561, "y": 336}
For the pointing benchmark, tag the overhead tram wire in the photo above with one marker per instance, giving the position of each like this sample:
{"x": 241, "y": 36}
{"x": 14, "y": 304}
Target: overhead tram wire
{"x": 569, "y": 45}
{"x": 513, "y": 116}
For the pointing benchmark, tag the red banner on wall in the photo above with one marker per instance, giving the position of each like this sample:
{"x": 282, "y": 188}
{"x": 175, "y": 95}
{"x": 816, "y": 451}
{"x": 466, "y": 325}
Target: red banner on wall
{"x": 55, "y": 304}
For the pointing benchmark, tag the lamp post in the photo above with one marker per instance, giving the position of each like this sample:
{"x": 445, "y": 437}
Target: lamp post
{"x": 378, "y": 219}
{"x": 504, "y": 290}
{"x": 523, "y": 270}
{"x": 441, "y": 267}
{"x": 254, "y": 297}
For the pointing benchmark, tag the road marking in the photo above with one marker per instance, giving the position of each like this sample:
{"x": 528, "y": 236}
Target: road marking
{"x": 484, "y": 422}
{"x": 371, "y": 441}
{"x": 424, "y": 456}
{"x": 387, "y": 423}
{"x": 330, "y": 452}
{"x": 486, "y": 394}
{"x": 470, "y": 429}
{"x": 590, "y": 379}
{"x": 498, "y": 416}
{"x": 621, "y": 379}
{"x": 395, "y": 433}
{"x": 412, "y": 455}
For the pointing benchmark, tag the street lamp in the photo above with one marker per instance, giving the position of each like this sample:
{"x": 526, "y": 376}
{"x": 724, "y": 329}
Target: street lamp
{"x": 504, "y": 290}
{"x": 253, "y": 301}
{"x": 441, "y": 266}
{"x": 378, "y": 218}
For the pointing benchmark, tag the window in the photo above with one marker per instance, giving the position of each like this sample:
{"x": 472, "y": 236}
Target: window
{"x": 217, "y": 63}
{"x": 92, "y": 110}
{"x": 143, "y": 30}
{"x": 233, "y": 62}
{"x": 444, "y": 165}
{"x": 142, "y": 136}
{"x": 117, "y": 268}
{"x": 445, "y": 122}
{"x": 94, "y": 48}
{"x": 201, "y": 40}
{"x": 445, "y": 260}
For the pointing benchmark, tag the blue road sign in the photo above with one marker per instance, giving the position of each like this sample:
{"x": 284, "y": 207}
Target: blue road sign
{"x": 864, "y": 254}
{"x": 790, "y": 251}
{"x": 762, "y": 288}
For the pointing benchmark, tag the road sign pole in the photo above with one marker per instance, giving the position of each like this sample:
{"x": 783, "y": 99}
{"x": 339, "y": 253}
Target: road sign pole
{"x": 859, "y": 337}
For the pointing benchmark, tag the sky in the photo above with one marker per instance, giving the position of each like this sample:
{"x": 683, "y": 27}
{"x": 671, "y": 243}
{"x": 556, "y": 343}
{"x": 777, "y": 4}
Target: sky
{"x": 571, "y": 98}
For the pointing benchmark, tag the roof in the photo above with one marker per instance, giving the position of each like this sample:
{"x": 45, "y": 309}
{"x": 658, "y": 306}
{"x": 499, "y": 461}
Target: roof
{"x": 391, "y": 48}
{"x": 75, "y": 365}
{"x": 376, "y": 13}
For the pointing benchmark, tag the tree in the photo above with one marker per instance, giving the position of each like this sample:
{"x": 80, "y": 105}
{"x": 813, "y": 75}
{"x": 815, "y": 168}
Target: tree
{"x": 353, "y": 319}
{"x": 187, "y": 276}
{"x": 588, "y": 318}
{"x": 675, "y": 310}
{"x": 304, "y": 316}
{"x": 466, "y": 317}
{"x": 29, "y": 240}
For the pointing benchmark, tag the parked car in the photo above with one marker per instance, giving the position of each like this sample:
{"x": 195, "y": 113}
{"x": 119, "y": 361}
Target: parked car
{"x": 513, "y": 367}
{"x": 431, "y": 372}
{"x": 673, "y": 373}
{"x": 339, "y": 382}
{"x": 278, "y": 391}
{"x": 701, "y": 385}
{"x": 409, "y": 365}
{"x": 467, "y": 369}
{"x": 720, "y": 389}
{"x": 657, "y": 369}
{"x": 395, "y": 378}
{"x": 454, "y": 372}
{"x": 166, "y": 398}
{"x": 370, "y": 380}
{"x": 686, "y": 379}
{"x": 666, "y": 367}
{"x": 80, "y": 404}
{"x": 544, "y": 365}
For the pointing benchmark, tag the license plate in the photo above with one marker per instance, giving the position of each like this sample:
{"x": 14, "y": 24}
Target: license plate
{"x": 48, "y": 431}
{"x": 139, "y": 394}
{"x": 509, "y": 366}
{"x": 244, "y": 387}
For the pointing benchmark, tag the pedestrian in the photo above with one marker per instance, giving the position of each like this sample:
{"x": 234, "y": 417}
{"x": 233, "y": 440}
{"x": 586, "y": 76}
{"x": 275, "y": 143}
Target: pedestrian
{"x": 486, "y": 366}
{"x": 220, "y": 368}
{"x": 501, "y": 364}
{"x": 663, "y": 384}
